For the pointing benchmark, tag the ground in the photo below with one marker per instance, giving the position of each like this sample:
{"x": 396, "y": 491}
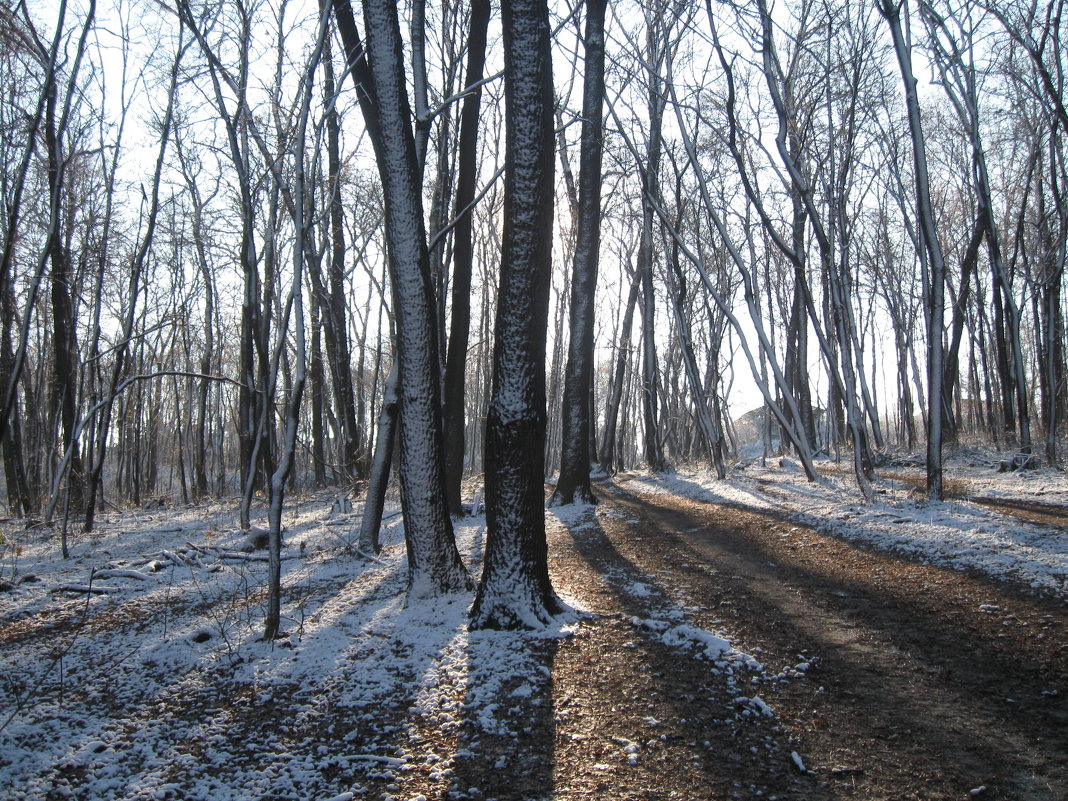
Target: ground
{"x": 761, "y": 637}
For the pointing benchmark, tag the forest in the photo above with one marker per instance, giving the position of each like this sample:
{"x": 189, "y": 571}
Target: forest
{"x": 426, "y": 286}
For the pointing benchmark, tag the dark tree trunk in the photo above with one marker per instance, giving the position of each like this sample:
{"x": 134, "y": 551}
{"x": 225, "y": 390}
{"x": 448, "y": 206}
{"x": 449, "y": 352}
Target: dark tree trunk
{"x": 333, "y": 307}
{"x": 463, "y": 258}
{"x": 515, "y": 590}
{"x": 574, "y": 482}
{"x": 315, "y": 384}
{"x": 64, "y": 343}
{"x": 379, "y": 474}
{"x": 931, "y": 252}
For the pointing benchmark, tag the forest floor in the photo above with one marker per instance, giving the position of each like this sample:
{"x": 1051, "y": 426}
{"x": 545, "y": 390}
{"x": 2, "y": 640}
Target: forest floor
{"x": 761, "y": 637}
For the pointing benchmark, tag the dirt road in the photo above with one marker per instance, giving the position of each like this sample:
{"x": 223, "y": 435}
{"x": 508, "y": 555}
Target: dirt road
{"x": 888, "y": 679}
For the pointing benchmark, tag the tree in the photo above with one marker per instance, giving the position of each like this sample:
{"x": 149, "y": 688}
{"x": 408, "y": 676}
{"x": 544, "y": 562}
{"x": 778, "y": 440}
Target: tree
{"x": 463, "y": 255}
{"x": 574, "y": 482}
{"x": 515, "y": 590}
{"x": 931, "y": 250}
{"x": 434, "y": 563}
{"x": 332, "y": 297}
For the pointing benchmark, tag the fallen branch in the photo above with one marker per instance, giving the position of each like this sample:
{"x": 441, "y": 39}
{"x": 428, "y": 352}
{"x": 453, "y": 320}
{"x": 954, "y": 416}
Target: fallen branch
{"x": 87, "y": 588}
{"x": 377, "y": 758}
{"x": 366, "y": 555}
{"x": 178, "y": 559}
{"x": 218, "y": 553}
{"x": 114, "y": 573}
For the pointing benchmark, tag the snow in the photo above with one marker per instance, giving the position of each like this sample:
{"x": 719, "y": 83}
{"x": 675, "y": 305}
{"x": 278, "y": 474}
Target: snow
{"x": 960, "y": 534}
{"x": 162, "y": 687}
{"x": 669, "y": 623}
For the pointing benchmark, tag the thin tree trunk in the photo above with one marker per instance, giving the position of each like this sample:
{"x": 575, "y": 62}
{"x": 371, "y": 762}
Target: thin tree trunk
{"x": 574, "y": 481}
{"x": 463, "y": 257}
{"x": 932, "y": 254}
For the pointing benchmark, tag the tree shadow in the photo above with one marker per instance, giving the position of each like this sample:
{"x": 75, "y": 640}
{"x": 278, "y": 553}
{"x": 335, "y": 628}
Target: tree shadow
{"x": 160, "y": 697}
{"x": 883, "y": 643}
{"x": 684, "y": 706}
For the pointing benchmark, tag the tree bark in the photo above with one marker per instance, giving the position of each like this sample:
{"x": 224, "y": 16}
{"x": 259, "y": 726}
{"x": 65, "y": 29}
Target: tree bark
{"x": 433, "y": 561}
{"x": 574, "y": 482}
{"x": 515, "y": 590}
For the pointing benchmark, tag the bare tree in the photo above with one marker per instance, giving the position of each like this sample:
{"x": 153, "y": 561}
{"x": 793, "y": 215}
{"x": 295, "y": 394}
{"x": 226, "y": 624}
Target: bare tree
{"x": 434, "y": 563}
{"x": 574, "y": 482}
{"x": 515, "y": 590}
{"x": 931, "y": 249}
{"x": 463, "y": 255}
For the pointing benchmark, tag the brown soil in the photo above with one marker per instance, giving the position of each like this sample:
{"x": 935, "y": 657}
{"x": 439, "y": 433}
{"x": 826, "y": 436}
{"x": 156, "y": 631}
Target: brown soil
{"x": 917, "y": 682}
{"x": 888, "y": 679}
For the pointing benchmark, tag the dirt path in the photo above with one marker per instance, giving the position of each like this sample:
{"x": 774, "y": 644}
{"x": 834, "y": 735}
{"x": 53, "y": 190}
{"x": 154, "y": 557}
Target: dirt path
{"x": 924, "y": 682}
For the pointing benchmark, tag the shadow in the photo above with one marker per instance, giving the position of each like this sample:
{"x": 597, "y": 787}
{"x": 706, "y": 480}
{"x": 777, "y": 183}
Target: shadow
{"x": 506, "y": 745}
{"x": 173, "y": 693}
{"x": 906, "y": 676}
{"x": 682, "y": 704}
{"x": 1048, "y": 514}
{"x": 981, "y": 558}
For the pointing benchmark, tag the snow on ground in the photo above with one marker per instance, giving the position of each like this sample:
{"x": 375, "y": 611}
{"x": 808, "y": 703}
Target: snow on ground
{"x": 668, "y": 621}
{"x": 957, "y": 533}
{"x": 162, "y": 687}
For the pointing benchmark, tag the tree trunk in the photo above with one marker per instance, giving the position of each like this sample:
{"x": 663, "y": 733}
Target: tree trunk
{"x": 333, "y": 307}
{"x": 463, "y": 257}
{"x": 433, "y": 561}
{"x": 932, "y": 254}
{"x": 574, "y": 481}
{"x": 515, "y": 590}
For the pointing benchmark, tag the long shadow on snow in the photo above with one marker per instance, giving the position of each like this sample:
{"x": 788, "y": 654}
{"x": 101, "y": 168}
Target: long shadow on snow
{"x": 707, "y": 732}
{"x": 967, "y": 672}
{"x": 899, "y": 553}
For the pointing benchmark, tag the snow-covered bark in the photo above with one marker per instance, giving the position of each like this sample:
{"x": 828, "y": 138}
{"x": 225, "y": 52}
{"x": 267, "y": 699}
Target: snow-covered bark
{"x": 433, "y": 561}
{"x": 515, "y": 590}
{"x": 574, "y": 483}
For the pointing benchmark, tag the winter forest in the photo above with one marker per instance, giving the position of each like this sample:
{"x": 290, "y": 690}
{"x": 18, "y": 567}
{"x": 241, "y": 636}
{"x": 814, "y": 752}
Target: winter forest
{"x": 526, "y": 400}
